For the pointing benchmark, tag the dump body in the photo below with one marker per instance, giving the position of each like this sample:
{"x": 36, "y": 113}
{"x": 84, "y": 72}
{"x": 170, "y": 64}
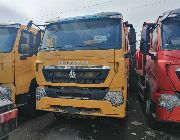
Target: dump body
{"x": 81, "y": 68}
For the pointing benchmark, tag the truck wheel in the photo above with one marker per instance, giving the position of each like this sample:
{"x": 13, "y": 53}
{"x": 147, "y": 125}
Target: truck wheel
{"x": 132, "y": 76}
{"x": 128, "y": 98}
{"x": 5, "y": 138}
{"x": 57, "y": 115}
{"x": 150, "y": 110}
{"x": 30, "y": 108}
{"x": 150, "y": 114}
{"x": 122, "y": 121}
{"x": 60, "y": 115}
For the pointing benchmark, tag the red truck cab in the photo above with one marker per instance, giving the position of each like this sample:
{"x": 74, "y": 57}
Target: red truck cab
{"x": 158, "y": 68}
{"x": 8, "y": 116}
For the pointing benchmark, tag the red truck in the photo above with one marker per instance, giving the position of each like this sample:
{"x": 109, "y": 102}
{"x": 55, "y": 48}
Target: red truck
{"x": 8, "y": 116}
{"x": 158, "y": 68}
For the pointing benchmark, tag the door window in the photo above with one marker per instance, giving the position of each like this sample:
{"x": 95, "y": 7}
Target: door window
{"x": 26, "y": 45}
{"x": 155, "y": 40}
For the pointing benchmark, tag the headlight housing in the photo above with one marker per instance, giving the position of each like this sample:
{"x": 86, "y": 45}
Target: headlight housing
{"x": 6, "y": 91}
{"x": 40, "y": 92}
{"x": 115, "y": 97}
{"x": 169, "y": 101}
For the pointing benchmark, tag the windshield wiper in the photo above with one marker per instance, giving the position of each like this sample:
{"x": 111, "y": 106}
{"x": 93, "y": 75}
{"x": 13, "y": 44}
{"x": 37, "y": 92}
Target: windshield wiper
{"x": 53, "y": 33}
{"x": 172, "y": 47}
{"x": 48, "y": 48}
{"x": 74, "y": 47}
{"x": 175, "y": 47}
{"x": 91, "y": 46}
{"x": 51, "y": 48}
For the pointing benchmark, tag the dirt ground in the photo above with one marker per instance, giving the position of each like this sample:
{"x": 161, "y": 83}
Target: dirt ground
{"x": 135, "y": 127}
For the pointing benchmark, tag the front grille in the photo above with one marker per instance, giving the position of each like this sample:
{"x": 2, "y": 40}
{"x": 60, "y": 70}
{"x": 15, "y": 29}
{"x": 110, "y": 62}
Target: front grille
{"x": 75, "y": 110}
{"x": 6, "y": 108}
{"x": 76, "y": 75}
{"x": 76, "y": 93}
{"x": 7, "y": 127}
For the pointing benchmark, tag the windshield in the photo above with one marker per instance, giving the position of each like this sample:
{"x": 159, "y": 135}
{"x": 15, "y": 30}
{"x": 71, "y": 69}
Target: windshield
{"x": 7, "y": 39}
{"x": 91, "y": 34}
{"x": 171, "y": 34}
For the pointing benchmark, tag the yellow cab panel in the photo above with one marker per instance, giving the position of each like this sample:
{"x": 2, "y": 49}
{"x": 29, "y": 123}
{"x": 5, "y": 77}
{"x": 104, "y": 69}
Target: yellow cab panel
{"x": 81, "y": 67}
{"x": 17, "y": 57}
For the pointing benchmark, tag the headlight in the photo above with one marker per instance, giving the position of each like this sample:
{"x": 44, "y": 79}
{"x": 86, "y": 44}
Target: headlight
{"x": 40, "y": 92}
{"x": 7, "y": 92}
{"x": 168, "y": 101}
{"x": 116, "y": 98}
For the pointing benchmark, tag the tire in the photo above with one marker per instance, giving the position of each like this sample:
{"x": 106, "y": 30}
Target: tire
{"x": 150, "y": 109}
{"x": 5, "y": 138}
{"x": 128, "y": 99}
{"x": 58, "y": 115}
{"x": 64, "y": 116}
{"x": 122, "y": 122}
{"x": 132, "y": 75}
{"x": 30, "y": 108}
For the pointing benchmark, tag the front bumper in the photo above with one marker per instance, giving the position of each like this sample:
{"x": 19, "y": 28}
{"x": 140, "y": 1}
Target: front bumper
{"x": 168, "y": 116}
{"x": 8, "y": 122}
{"x": 168, "y": 107}
{"x": 82, "y": 107}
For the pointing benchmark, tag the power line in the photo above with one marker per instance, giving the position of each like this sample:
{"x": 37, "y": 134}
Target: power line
{"x": 130, "y": 10}
{"x": 58, "y": 14}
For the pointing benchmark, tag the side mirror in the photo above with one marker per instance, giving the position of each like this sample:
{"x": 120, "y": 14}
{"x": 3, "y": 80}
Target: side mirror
{"x": 132, "y": 39}
{"x": 38, "y": 40}
{"x": 145, "y": 40}
{"x": 144, "y": 47}
{"x": 29, "y": 25}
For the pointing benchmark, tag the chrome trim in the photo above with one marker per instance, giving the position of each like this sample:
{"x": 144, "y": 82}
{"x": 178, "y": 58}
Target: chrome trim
{"x": 178, "y": 69}
{"x": 76, "y": 67}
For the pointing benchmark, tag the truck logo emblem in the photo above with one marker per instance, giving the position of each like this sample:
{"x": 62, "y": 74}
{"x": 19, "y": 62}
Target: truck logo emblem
{"x": 72, "y": 74}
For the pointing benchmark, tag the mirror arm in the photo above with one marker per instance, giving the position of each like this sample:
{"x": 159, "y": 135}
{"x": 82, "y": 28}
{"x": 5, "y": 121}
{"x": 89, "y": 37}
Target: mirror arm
{"x": 32, "y": 23}
{"x": 153, "y": 57}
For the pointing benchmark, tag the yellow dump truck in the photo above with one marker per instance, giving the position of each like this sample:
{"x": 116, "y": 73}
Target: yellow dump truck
{"x": 82, "y": 66}
{"x": 18, "y": 51}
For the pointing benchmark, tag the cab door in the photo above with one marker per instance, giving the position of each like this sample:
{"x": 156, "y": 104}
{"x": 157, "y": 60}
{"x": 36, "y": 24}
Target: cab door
{"x": 24, "y": 63}
{"x": 152, "y": 60}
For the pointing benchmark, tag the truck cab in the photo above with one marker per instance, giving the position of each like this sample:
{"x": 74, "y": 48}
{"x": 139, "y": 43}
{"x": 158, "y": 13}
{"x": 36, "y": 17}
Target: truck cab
{"x": 17, "y": 56}
{"x": 82, "y": 66}
{"x": 158, "y": 64}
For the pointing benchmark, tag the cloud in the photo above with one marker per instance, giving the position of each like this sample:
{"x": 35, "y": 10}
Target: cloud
{"x": 7, "y": 14}
{"x": 135, "y": 11}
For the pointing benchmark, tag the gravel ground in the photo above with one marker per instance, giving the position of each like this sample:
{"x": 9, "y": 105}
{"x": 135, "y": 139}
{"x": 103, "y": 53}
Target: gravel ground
{"x": 135, "y": 127}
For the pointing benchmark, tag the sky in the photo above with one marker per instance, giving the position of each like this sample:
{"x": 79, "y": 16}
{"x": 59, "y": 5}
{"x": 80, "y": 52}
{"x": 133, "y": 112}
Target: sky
{"x": 134, "y": 11}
